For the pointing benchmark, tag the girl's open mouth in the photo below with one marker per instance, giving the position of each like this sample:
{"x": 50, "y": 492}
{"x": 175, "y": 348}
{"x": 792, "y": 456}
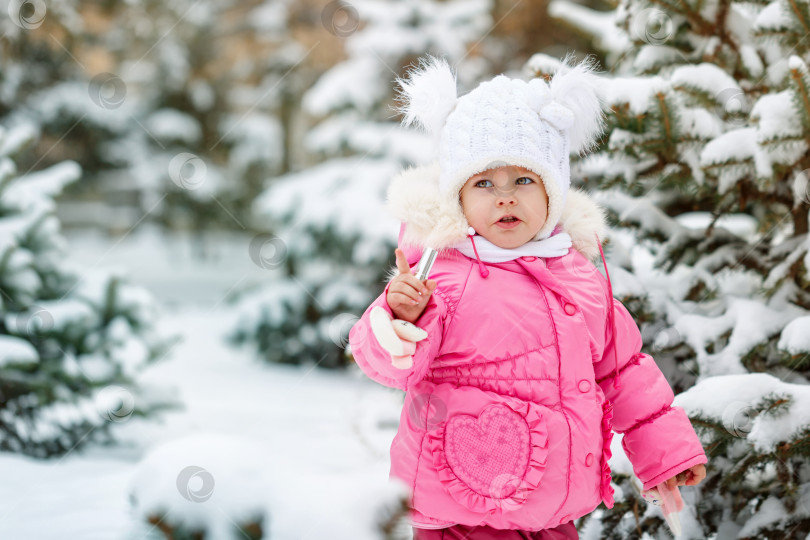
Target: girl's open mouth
{"x": 508, "y": 222}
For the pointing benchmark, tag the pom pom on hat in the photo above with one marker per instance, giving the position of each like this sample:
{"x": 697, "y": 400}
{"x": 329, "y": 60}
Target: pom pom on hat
{"x": 428, "y": 95}
{"x": 577, "y": 89}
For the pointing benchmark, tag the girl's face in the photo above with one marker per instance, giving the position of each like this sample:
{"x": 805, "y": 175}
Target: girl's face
{"x": 490, "y": 196}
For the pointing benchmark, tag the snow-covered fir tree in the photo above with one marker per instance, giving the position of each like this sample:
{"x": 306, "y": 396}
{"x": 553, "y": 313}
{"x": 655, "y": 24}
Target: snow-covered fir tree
{"x": 329, "y": 238}
{"x": 171, "y": 109}
{"x": 704, "y": 170}
{"x": 209, "y": 80}
{"x": 71, "y": 339}
{"x": 43, "y": 82}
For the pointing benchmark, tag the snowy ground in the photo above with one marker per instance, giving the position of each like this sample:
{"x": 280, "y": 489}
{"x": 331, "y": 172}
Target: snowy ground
{"x": 325, "y": 435}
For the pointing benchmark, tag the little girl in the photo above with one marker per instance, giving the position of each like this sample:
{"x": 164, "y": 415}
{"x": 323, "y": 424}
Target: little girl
{"x": 512, "y": 399}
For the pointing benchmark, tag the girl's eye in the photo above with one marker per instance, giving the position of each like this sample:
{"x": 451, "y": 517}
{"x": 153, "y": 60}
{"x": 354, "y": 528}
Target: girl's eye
{"x": 518, "y": 181}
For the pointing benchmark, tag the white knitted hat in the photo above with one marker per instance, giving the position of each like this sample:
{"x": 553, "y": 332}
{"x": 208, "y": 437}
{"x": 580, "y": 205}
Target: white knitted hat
{"x": 506, "y": 121}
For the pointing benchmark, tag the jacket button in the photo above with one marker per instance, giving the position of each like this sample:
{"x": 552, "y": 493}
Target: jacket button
{"x": 570, "y": 308}
{"x": 588, "y": 460}
{"x": 584, "y": 385}
{"x": 528, "y": 258}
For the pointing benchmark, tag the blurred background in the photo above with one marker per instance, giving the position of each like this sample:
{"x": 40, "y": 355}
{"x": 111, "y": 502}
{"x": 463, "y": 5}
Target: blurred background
{"x": 191, "y": 220}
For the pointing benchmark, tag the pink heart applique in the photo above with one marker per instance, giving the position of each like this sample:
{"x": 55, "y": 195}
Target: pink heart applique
{"x": 490, "y": 453}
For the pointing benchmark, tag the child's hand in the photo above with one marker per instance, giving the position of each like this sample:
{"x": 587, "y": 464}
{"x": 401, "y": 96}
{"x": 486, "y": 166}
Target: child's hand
{"x": 403, "y": 293}
{"x": 690, "y": 477}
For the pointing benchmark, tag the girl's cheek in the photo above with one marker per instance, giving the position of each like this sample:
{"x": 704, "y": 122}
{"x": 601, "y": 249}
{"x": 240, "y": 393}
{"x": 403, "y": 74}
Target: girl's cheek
{"x": 479, "y": 210}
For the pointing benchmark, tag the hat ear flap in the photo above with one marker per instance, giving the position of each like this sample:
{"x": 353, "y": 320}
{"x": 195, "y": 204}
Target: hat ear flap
{"x": 577, "y": 89}
{"x": 429, "y": 95}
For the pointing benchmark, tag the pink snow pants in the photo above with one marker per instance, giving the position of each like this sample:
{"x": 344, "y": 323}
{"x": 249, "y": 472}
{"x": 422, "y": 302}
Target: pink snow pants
{"x": 566, "y": 531}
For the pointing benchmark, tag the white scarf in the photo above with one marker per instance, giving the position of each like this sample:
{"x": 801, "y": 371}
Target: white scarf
{"x": 553, "y": 246}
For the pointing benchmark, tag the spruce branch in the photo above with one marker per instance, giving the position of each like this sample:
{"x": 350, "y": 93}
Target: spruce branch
{"x": 801, "y": 15}
{"x": 802, "y": 101}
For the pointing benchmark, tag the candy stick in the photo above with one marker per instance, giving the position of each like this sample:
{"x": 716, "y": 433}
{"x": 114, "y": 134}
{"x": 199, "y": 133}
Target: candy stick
{"x": 669, "y": 499}
{"x": 426, "y": 263}
{"x": 671, "y": 504}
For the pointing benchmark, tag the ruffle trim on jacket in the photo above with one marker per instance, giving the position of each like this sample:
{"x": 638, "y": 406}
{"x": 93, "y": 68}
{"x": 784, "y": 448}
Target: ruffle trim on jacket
{"x": 508, "y": 470}
{"x": 605, "y": 489}
{"x": 418, "y": 519}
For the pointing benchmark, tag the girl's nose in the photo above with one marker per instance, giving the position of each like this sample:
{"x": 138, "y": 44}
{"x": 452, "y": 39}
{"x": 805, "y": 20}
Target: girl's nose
{"x": 506, "y": 199}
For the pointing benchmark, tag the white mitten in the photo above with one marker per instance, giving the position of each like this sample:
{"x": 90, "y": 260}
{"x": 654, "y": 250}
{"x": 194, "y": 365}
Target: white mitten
{"x": 396, "y": 336}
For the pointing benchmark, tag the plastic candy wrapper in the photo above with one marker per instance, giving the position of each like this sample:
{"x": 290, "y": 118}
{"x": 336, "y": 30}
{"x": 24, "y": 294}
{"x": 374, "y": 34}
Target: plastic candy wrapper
{"x": 396, "y": 336}
{"x": 669, "y": 499}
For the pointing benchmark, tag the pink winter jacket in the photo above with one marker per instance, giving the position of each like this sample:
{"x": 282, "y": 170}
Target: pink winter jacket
{"x": 513, "y": 397}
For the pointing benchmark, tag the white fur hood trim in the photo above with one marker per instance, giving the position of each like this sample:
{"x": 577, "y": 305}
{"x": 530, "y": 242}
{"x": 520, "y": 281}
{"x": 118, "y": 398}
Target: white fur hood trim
{"x": 433, "y": 219}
